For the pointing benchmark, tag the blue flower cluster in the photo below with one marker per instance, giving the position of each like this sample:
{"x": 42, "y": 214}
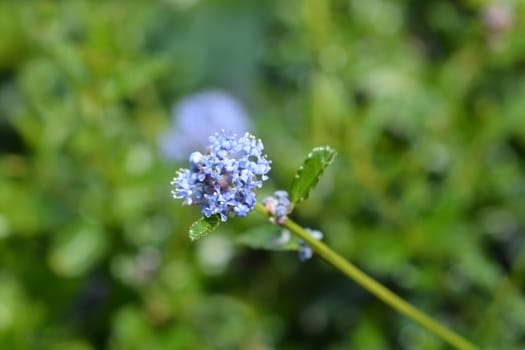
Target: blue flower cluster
{"x": 223, "y": 181}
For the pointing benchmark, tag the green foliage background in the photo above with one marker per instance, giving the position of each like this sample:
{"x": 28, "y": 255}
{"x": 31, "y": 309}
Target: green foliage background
{"x": 423, "y": 100}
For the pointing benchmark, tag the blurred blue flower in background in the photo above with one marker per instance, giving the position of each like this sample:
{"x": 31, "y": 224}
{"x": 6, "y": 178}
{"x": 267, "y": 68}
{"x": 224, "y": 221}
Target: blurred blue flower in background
{"x": 198, "y": 116}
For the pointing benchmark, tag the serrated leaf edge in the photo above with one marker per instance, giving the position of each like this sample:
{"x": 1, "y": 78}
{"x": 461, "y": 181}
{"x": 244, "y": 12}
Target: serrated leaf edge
{"x": 308, "y": 157}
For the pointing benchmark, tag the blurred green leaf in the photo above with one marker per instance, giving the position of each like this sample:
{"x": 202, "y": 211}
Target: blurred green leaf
{"x": 204, "y": 226}
{"x": 78, "y": 250}
{"x": 73, "y": 345}
{"x": 269, "y": 238}
{"x": 309, "y": 173}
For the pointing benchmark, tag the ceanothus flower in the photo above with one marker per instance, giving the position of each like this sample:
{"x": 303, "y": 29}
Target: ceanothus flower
{"x": 223, "y": 180}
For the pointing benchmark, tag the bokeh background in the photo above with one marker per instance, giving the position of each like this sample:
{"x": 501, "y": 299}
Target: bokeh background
{"x": 100, "y": 100}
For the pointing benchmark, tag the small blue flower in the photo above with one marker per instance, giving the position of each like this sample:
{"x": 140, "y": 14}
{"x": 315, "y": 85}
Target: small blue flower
{"x": 279, "y": 206}
{"x": 196, "y": 117}
{"x": 223, "y": 180}
{"x": 305, "y": 252}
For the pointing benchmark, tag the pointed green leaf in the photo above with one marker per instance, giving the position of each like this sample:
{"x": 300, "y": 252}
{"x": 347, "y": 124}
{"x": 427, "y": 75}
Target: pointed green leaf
{"x": 204, "y": 226}
{"x": 268, "y": 238}
{"x": 309, "y": 173}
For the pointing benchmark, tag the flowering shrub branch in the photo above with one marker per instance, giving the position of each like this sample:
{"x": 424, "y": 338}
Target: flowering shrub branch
{"x": 223, "y": 182}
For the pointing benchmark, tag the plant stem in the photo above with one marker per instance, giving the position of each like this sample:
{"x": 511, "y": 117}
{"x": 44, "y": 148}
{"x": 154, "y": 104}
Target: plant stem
{"x": 373, "y": 286}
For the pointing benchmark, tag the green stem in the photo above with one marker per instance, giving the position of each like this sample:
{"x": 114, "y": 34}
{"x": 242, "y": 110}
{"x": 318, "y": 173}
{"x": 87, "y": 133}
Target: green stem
{"x": 373, "y": 286}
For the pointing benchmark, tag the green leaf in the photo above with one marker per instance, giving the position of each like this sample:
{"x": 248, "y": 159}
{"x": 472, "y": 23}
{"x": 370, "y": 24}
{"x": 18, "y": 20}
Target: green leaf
{"x": 77, "y": 250}
{"x": 268, "y": 238}
{"x": 309, "y": 173}
{"x": 204, "y": 226}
